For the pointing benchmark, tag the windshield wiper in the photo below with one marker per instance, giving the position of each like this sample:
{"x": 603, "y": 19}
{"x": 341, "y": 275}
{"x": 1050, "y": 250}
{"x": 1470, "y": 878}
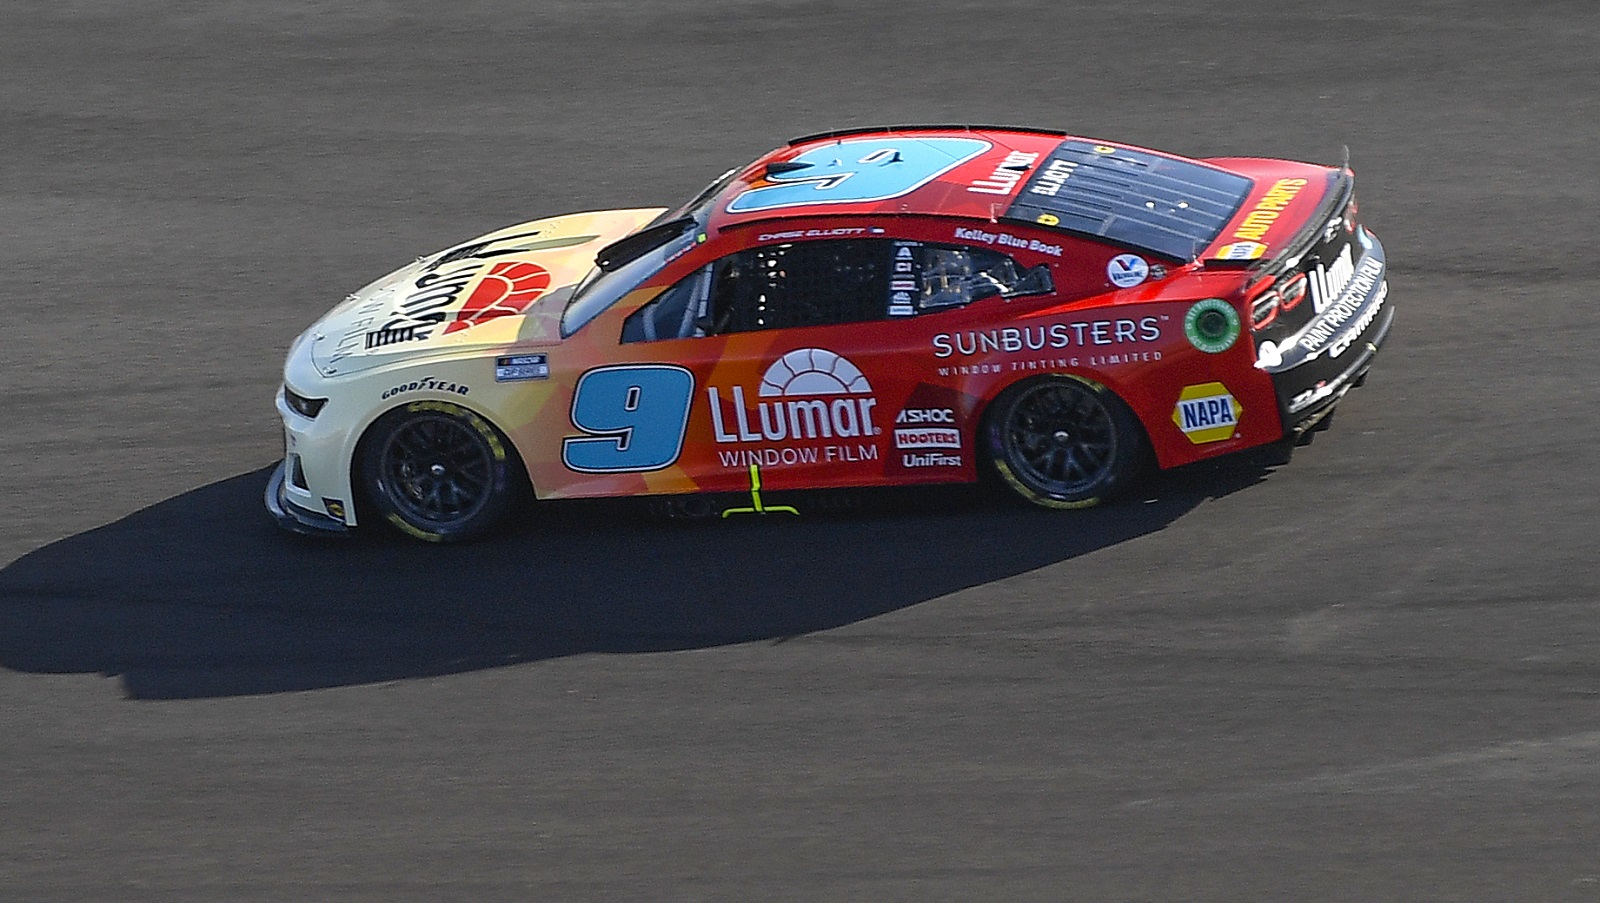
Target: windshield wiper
{"x": 620, "y": 253}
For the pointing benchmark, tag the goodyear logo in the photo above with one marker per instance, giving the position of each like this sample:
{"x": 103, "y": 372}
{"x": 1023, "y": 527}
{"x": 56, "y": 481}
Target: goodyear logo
{"x": 1207, "y": 413}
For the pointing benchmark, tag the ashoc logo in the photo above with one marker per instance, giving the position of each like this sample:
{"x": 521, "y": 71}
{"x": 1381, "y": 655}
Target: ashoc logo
{"x": 926, "y": 415}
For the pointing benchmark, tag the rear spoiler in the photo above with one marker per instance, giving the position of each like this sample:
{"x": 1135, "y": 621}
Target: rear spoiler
{"x": 1341, "y": 187}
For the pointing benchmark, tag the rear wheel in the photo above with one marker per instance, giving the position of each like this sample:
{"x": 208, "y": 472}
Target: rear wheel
{"x": 437, "y": 471}
{"x": 1063, "y": 442}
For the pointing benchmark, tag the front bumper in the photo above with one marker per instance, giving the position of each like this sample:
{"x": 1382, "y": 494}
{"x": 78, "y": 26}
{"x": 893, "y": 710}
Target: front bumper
{"x": 295, "y": 518}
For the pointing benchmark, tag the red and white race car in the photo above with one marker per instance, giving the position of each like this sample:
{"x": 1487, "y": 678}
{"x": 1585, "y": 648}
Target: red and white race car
{"x": 883, "y": 306}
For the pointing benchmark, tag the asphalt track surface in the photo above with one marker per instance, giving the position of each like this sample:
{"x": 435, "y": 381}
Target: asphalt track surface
{"x": 1370, "y": 674}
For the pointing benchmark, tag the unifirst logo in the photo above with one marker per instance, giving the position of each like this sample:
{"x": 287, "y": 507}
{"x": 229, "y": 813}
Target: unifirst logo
{"x": 1207, "y": 413}
{"x": 816, "y": 394}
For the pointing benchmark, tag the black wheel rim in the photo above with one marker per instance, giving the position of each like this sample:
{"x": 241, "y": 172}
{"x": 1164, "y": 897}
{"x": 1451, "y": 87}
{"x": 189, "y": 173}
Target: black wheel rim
{"x": 437, "y": 471}
{"x": 1059, "y": 438}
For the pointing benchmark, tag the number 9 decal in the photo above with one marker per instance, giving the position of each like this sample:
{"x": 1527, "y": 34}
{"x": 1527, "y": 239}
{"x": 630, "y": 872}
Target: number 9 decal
{"x": 883, "y": 168}
{"x": 635, "y": 416}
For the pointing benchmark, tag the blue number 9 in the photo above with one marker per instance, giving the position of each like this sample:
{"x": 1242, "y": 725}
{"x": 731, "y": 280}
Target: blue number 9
{"x": 864, "y": 169}
{"x": 635, "y": 417}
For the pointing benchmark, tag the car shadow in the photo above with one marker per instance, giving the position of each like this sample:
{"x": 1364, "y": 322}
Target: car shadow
{"x": 200, "y": 596}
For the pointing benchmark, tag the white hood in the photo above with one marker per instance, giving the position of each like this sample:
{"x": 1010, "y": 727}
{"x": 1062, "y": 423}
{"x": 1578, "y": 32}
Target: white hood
{"x": 502, "y": 288}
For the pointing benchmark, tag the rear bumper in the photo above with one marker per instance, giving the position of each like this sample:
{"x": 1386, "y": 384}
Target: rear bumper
{"x": 1309, "y": 392}
{"x": 294, "y": 518}
{"x": 1314, "y": 368}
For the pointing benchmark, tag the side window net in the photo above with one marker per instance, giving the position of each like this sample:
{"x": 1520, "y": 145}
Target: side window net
{"x": 807, "y": 284}
{"x": 821, "y": 283}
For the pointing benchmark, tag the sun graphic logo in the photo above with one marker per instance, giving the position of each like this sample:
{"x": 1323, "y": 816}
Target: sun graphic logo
{"x": 813, "y": 371}
{"x": 508, "y": 289}
{"x": 816, "y": 394}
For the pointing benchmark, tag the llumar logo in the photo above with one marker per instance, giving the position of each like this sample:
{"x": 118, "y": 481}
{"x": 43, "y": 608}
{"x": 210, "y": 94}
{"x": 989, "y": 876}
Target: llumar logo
{"x": 807, "y": 395}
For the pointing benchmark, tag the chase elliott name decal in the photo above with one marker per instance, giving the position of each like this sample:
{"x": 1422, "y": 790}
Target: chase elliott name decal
{"x": 1207, "y": 413}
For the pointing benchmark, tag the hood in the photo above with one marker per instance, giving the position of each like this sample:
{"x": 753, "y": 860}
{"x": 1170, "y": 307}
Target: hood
{"x": 502, "y": 288}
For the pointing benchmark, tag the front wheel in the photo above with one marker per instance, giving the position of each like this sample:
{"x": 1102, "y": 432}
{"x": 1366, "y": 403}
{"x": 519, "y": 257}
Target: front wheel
{"x": 438, "y": 472}
{"x": 1063, "y": 442}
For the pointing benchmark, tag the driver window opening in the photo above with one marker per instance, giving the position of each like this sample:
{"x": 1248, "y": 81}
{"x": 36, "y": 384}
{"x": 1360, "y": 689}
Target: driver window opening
{"x": 829, "y": 282}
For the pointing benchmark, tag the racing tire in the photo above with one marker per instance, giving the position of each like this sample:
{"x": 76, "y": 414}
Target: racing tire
{"x": 438, "y": 472}
{"x": 1063, "y": 442}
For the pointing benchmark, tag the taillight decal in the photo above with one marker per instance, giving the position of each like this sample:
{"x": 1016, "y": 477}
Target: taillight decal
{"x": 1264, "y": 310}
{"x": 1292, "y": 291}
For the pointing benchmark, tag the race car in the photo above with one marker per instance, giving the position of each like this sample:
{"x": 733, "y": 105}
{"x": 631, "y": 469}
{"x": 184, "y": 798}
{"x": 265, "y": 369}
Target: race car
{"x": 871, "y": 307}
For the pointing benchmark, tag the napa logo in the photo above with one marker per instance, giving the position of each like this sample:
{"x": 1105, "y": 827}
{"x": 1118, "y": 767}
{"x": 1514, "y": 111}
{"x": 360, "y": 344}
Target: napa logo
{"x": 1207, "y": 413}
{"x": 808, "y": 394}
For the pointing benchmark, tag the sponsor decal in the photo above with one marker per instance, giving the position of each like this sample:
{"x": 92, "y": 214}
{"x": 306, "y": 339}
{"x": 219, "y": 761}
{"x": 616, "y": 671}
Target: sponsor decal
{"x": 1007, "y": 240}
{"x": 1207, "y": 413}
{"x": 1332, "y": 227}
{"x": 808, "y": 399}
{"x": 925, "y": 415}
{"x": 1127, "y": 270}
{"x": 1316, "y": 393}
{"x": 1052, "y": 336}
{"x": 1242, "y": 250}
{"x": 518, "y": 367}
{"x": 1048, "y": 219}
{"x": 1259, "y": 220}
{"x": 929, "y": 459}
{"x": 1328, "y": 282}
{"x": 1212, "y": 325}
{"x": 1006, "y": 175}
{"x": 903, "y": 283}
{"x": 928, "y": 437}
{"x": 1345, "y": 311}
{"x": 480, "y": 249}
{"x": 507, "y": 288}
{"x": 334, "y": 507}
{"x": 426, "y": 384}
{"x": 1054, "y": 176}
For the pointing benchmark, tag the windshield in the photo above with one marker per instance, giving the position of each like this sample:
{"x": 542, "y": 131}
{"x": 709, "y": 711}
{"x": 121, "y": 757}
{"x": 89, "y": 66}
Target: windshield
{"x": 624, "y": 264}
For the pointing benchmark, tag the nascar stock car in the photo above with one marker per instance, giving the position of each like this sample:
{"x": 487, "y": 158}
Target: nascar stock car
{"x": 882, "y": 306}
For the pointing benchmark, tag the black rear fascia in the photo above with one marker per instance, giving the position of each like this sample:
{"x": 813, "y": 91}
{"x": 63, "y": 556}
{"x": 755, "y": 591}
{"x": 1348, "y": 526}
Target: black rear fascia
{"x": 1307, "y": 388}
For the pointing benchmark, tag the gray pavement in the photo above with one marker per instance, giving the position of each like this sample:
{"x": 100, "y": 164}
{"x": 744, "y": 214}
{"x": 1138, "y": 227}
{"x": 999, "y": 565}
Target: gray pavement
{"x": 1370, "y": 674}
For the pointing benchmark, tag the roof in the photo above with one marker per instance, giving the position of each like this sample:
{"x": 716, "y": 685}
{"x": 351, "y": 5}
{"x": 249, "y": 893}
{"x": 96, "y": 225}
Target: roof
{"x": 1161, "y": 203}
